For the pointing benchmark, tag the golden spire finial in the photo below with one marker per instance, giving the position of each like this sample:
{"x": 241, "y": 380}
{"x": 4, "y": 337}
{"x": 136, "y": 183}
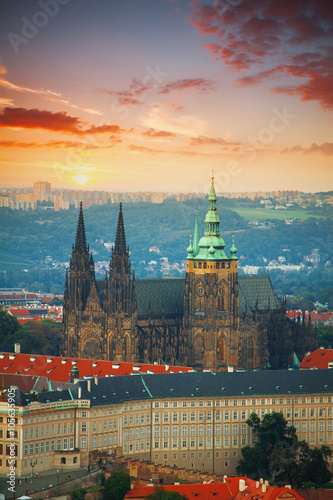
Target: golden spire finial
{"x": 212, "y": 174}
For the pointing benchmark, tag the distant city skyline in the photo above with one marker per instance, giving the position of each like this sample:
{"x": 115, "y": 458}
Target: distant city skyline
{"x": 154, "y": 96}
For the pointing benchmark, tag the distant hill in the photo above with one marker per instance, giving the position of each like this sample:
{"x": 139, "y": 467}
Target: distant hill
{"x": 36, "y": 239}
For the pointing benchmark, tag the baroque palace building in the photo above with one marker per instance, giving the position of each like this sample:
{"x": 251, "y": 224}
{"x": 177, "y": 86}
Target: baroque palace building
{"x": 212, "y": 319}
{"x": 195, "y": 420}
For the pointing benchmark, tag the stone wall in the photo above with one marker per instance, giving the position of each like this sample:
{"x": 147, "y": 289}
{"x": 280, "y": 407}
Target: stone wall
{"x": 62, "y": 490}
{"x": 161, "y": 474}
{"x": 309, "y": 494}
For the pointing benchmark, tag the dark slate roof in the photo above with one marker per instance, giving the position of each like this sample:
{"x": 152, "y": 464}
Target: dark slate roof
{"x": 253, "y": 288}
{"x": 167, "y": 292}
{"x": 223, "y": 384}
{"x": 170, "y": 291}
{"x": 116, "y": 390}
{"x": 111, "y": 390}
{"x": 52, "y": 396}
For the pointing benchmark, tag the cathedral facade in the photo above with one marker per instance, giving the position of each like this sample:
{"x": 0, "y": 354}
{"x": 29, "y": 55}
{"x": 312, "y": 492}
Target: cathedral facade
{"x": 212, "y": 319}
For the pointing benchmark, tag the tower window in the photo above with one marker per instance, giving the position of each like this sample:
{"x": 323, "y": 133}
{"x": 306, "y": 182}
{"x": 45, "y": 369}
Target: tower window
{"x": 223, "y": 265}
{"x": 205, "y": 265}
{"x": 217, "y": 265}
{"x": 195, "y": 265}
{"x": 200, "y": 265}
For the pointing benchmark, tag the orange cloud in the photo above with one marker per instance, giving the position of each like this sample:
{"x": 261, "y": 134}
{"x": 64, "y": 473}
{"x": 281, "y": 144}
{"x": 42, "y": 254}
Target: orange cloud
{"x": 56, "y": 122}
{"x": 202, "y": 140}
{"x": 143, "y": 149}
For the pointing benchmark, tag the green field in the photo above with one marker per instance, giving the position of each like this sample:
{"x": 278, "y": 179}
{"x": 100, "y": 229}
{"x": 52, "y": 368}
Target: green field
{"x": 262, "y": 214}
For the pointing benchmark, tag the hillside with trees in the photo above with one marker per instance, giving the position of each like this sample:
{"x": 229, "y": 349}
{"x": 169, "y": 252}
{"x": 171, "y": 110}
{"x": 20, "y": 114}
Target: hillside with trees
{"x": 34, "y": 244}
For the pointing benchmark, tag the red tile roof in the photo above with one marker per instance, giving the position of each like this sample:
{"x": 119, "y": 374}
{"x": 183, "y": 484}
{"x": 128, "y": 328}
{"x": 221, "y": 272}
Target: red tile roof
{"x": 317, "y": 359}
{"x": 57, "y": 368}
{"x": 192, "y": 491}
{"x": 232, "y": 488}
{"x": 316, "y": 317}
{"x": 19, "y": 312}
{"x": 37, "y": 319}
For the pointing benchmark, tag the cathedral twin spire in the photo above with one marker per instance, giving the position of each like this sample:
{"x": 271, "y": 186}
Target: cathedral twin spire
{"x": 80, "y": 241}
{"x": 120, "y": 243}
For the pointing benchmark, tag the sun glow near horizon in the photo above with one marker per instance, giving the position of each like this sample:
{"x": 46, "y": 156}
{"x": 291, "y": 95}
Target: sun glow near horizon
{"x": 80, "y": 179}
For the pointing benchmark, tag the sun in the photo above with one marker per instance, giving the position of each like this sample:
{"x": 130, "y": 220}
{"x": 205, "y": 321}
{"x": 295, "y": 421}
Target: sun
{"x": 80, "y": 179}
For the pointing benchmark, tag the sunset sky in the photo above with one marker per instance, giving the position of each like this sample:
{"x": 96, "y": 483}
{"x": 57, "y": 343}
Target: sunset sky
{"x": 137, "y": 95}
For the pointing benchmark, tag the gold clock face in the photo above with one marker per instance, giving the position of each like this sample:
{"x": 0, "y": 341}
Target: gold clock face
{"x": 220, "y": 290}
{"x": 200, "y": 291}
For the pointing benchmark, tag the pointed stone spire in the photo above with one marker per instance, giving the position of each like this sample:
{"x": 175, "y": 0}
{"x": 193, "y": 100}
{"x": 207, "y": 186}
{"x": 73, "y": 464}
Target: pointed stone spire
{"x": 66, "y": 286}
{"x": 106, "y": 287}
{"x": 196, "y": 236}
{"x": 133, "y": 288}
{"x": 80, "y": 241}
{"x": 92, "y": 266}
{"x": 120, "y": 244}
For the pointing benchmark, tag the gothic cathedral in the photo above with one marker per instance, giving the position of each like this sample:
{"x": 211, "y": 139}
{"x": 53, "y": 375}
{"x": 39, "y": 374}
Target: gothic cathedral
{"x": 212, "y": 319}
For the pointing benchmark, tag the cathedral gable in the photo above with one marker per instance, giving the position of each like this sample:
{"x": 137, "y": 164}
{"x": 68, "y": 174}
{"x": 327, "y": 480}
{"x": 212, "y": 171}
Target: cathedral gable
{"x": 93, "y": 303}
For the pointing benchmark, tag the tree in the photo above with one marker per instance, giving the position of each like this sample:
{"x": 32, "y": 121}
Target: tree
{"x": 117, "y": 485}
{"x": 325, "y": 337}
{"x": 276, "y": 444}
{"x": 159, "y": 493}
{"x": 40, "y": 338}
{"x": 278, "y": 454}
{"x": 317, "y": 469}
{"x": 79, "y": 494}
{"x": 9, "y": 328}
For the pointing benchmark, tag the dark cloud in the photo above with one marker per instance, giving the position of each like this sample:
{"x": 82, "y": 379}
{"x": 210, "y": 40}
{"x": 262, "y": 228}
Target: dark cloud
{"x": 199, "y": 85}
{"x": 158, "y": 133}
{"x": 137, "y": 92}
{"x": 294, "y": 38}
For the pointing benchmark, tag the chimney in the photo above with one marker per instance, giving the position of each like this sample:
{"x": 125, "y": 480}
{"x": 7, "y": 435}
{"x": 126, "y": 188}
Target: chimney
{"x": 96, "y": 380}
{"x": 225, "y": 477}
{"x": 257, "y": 484}
{"x": 261, "y": 480}
{"x": 79, "y": 392}
{"x": 88, "y": 385}
{"x": 242, "y": 485}
{"x": 288, "y": 486}
{"x": 264, "y": 488}
{"x": 17, "y": 348}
